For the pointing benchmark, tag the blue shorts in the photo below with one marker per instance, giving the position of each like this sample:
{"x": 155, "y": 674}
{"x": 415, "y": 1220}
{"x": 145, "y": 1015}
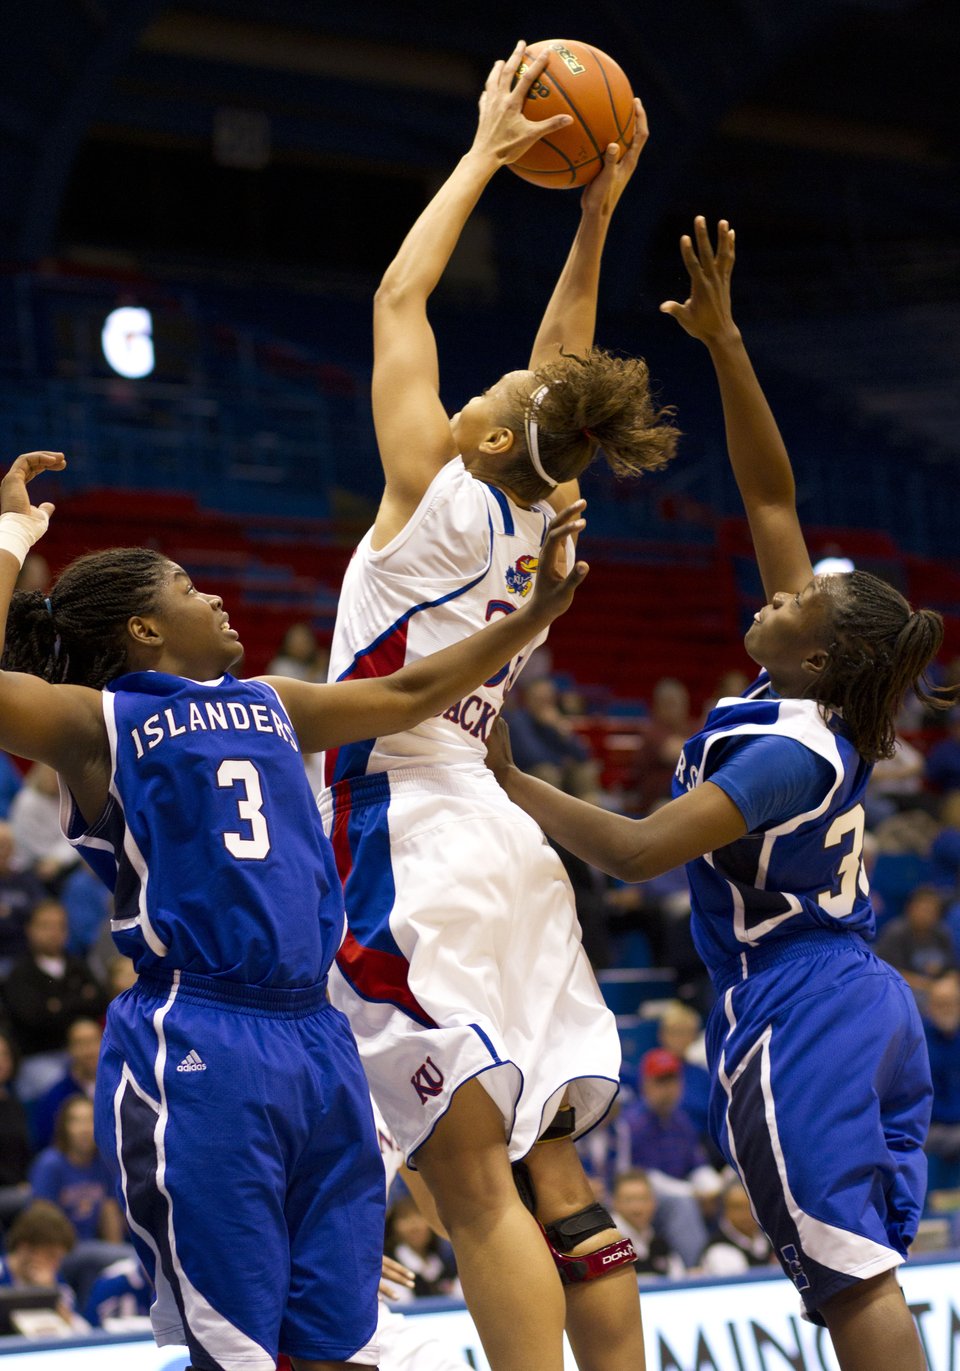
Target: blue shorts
{"x": 239, "y": 1123}
{"x": 821, "y": 1100}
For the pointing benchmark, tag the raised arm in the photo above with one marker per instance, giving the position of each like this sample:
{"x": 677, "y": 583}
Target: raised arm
{"x": 759, "y": 459}
{"x": 569, "y": 322}
{"x": 413, "y": 431}
{"x": 327, "y": 716}
{"x": 61, "y": 725}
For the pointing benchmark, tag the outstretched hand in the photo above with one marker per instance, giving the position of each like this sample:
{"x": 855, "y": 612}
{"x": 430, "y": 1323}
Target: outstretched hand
{"x": 14, "y": 498}
{"x": 499, "y": 753}
{"x": 554, "y": 587}
{"x": 706, "y": 313}
{"x": 503, "y": 131}
{"x": 600, "y": 195}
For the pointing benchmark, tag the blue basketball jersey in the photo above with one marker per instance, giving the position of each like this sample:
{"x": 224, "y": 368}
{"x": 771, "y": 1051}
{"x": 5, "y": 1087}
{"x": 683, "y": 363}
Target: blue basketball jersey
{"x": 799, "y": 783}
{"x": 211, "y": 840}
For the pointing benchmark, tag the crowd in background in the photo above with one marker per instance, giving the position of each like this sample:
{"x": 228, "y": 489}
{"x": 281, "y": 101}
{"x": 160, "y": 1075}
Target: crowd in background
{"x": 652, "y": 1162}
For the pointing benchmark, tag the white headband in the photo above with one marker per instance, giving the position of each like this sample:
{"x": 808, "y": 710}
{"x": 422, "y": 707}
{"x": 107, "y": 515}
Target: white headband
{"x": 531, "y": 425}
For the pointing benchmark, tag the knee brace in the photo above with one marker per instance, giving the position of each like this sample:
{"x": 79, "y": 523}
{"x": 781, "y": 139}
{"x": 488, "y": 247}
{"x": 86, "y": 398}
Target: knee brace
{"x": 586, "y": 1266}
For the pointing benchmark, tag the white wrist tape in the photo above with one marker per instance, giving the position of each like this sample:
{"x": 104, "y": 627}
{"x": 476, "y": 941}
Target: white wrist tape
{"x": 19, "y": 532}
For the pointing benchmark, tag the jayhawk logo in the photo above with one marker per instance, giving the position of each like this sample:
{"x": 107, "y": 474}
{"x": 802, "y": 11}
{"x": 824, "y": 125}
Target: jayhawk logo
{"x": 520, "y": 575}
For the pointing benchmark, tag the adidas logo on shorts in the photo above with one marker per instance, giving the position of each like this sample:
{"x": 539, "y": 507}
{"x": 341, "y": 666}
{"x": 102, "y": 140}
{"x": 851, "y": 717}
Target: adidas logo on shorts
{"x": 192, "y": 1062}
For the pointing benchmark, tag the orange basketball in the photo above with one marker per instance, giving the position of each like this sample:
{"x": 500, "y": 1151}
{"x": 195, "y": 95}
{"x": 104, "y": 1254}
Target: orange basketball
{"x": 586, "y": 83}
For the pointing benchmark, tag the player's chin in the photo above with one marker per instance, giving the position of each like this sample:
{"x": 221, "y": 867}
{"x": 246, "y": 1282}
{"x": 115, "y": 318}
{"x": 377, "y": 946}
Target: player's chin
{"x": 752, "y": 641}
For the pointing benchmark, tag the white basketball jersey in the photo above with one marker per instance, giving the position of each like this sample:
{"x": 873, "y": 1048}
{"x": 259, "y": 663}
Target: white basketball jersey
{"x": 467, "y": 554}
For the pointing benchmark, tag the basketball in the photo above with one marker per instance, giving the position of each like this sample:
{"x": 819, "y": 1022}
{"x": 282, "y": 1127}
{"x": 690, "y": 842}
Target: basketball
{"x": 584, "y": 82}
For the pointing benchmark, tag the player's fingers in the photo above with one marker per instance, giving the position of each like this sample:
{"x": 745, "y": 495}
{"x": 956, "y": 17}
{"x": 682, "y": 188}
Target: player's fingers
{"x": 673, "y": 307}
{"x": 561, "y": 522}
{"x": 532, "y": 69}
{"x": 547, "y": 126}
{"x": 493, "y": 79}
{"x": 47, "y": 508}
{"x": 690, "y": 259}
{"x": 642, "y": 131}
{"x": 577, "y": 576}
{"x": 704, "y": 246}
{"x": 510, "y": 64}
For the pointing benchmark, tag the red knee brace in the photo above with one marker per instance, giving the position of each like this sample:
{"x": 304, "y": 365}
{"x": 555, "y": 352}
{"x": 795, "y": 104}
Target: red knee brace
{"x": 590, "y": 1266}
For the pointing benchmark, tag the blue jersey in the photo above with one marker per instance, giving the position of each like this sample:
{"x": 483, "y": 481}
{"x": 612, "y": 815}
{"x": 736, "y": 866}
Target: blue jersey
{"x": 798, "y": 781}
{"x": 211, "y": 839}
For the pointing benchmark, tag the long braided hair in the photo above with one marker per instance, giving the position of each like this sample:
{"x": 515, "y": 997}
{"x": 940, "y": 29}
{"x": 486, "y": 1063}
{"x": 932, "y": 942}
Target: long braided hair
{"x": 880, "y": 650}
{"x": 77, "y": 634}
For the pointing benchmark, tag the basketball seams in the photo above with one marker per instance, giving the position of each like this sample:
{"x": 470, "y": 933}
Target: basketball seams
{"x": 569, "y": 170}
{"x": 574, "y": 109}
{"x": 621, "y": 132}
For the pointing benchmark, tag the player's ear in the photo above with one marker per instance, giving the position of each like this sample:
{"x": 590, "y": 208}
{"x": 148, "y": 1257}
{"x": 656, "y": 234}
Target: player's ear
{"x": 816, "y": 661}
{"x": 498, "y": 441}
{"x": 144, "y": 631}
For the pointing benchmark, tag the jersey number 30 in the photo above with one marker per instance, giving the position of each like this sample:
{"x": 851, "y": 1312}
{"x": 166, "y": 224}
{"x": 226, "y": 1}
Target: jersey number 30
{"x": 249, "y": 808}
{"x": 850, "y": 872}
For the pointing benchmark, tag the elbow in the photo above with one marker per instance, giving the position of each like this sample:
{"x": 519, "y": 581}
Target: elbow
{"x": 391, "y": 294}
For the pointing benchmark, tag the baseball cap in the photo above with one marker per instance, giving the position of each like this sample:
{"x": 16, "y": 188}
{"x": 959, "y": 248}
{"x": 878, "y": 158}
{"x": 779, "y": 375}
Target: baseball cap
{"x": 658, "y": 1062}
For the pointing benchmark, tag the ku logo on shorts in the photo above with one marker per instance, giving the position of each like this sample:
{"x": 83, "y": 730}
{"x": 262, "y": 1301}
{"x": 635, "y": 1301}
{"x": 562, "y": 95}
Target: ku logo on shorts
{"x": 427, "y": 1080}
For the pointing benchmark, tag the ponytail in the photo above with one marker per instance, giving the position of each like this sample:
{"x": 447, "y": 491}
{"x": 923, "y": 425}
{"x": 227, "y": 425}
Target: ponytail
{"x": 881, "y": 651}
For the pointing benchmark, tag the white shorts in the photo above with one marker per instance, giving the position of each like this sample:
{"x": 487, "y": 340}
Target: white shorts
{"x": 463, "y": 957}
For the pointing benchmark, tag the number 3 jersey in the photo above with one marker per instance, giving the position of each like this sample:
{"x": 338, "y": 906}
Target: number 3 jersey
{"x": 798, "y": 781}
{"x": 211, "y": 840}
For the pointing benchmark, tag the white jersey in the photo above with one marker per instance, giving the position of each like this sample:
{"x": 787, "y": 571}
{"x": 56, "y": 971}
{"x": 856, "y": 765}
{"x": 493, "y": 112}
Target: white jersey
{"x": 466, "y": 555}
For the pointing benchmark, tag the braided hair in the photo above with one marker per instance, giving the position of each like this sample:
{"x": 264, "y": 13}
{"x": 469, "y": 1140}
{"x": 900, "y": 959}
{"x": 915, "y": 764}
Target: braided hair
{"x": 597, "y": 403}
{"x": 880, "y": 650}
{"x": 77, "y": 634}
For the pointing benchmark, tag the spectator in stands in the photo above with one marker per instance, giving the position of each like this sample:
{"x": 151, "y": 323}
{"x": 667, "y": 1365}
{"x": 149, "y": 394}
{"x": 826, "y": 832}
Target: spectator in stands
{"x": 918, "y": 944}
{"x": 73, "y": 1175}
{"x": 89, "y": 907}
{"x": 943, "y": 759}
{"x": 121, "y": 975}
{"x": 35, "y": 818}
{"x": 662, "y": 1137}
{"x": 121, "y": 1291}
{"x": 35, "y": 573}
{"x": 545, "y": 744}
{"x": 941, "y": 1022}
{"x": 679, "y": 1032}
{"x": 896, "y": 782}
{"x": 300, "y": 656}
{"x": 45, "y": 991}
{"x": 739, "y": 1242}
{"x": 731, "y": 685}
{"x": 664, "y": 734}
{"x": 83, "y": 1045}
{"x": 10, "y": 783}
{"x": 38, "y": 1241}
{"x": 20, "y": 892}
{"x": 15, "y": 1148}
{"x": 412, "y": 1242}
{"x": 945, "y": 849}
{"x": 634, "y": 1210}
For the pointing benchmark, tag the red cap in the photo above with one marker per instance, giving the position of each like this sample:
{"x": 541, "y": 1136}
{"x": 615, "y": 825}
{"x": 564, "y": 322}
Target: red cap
{"x": 658, "y": 1062}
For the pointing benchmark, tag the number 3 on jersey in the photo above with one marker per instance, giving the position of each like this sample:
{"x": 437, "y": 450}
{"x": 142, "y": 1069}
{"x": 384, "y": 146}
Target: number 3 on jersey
{"x": 249, "y": 807}
{"x": 850, "y": 871}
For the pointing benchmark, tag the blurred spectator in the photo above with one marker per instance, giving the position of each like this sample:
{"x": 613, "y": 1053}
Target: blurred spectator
{"x": 74, "y": 1176}
{"x": 679, "y": 1032}
{"x": 44, "y": 992}
{"x": 35, "y": 818}
{"x": 918, "y": 944}
{"x": 942, "y": 1026}
{"x": 731, "y": 685}
{"x": 740, "y": 1242}
{"x": 634, "y": 1209}
{"x": 300, "y": 656}
{"x": 545, "y": 744}
{"x": 83, "y": 1045}
{"x": 20, "y": 891}
{"x": 943, "y": 759}
{"x": 664, "y": 733}
{"x": 15, "y": 1148}
{"x": 895, "y": 783}
{"x": 411, "y": 1241}
{"x": 10, "y": 783}
{"x": 121, "y": 1291}
{"x": 945, "y": 851}
{"x": 38, "y": 1241}
{"x": 89, "y": 906}
{"x": 662, "y": 1137}
{"x": 121, "y": 975}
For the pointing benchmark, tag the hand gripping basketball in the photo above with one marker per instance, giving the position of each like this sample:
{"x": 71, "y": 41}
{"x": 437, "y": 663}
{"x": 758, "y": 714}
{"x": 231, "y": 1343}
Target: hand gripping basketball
{"x": 504, "y": 132}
